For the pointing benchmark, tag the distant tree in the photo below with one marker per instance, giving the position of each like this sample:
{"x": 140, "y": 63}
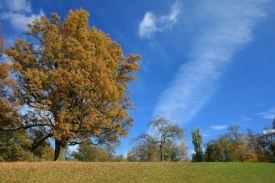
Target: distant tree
{"x": 145, "y": 149}
{"x": 255, "y": 144}
{"x": 174, "y": 152}
{"x": 268, "y": 143}
{"x": 213, "y": 152}
{"x": 118, "y": 158}
{"x": 221, "y": 149}
{"x": 88, "y": 152}
{"x": 183, "y": 151}
{"x": 238, "y": 140}
{"x": 110, "y": 150}
{"x": 134, "y": 154}
{"x": 273, "y": 124}
{"x": 241, "y": 151}
{"x": 15, "y": 146}
{"x": 234, "y": 146}
{"x": 197, "y": 142}
{"x": 164, "y": 131}
{"x": 74, "y": 79}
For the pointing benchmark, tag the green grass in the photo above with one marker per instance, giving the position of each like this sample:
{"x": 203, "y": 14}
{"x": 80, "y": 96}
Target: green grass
{"x": 136, "y": 172}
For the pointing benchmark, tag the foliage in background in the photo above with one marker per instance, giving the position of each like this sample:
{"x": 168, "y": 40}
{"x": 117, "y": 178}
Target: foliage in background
{"x": 240, "y": 147}
{"x": 88, "y": 152}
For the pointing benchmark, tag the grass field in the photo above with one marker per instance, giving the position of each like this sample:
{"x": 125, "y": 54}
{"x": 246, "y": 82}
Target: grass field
{"x": 136, "y": 172}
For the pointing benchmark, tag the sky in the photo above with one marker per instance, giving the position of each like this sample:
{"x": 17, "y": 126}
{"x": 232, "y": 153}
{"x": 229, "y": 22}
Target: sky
{"x": 205, "y": 63}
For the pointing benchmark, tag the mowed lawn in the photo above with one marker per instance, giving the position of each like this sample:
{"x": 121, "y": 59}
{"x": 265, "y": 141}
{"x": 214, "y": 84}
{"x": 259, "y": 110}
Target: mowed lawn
{"x": 136, "y": 172}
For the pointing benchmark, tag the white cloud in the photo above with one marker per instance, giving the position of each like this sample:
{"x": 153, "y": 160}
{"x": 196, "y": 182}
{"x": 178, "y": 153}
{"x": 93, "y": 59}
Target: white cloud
{"x": 148, "y": 25}
{"x": 206, "y": 134}
{"x": 19, "y": 5}
{"x": 225, "y": 27}
{"x": 19, "y": 20}
{"x": 151, "y": 23}
{"x": 270, "y": 114}
{"x": 18, "y": 13}
{"x": 218, "y": 127}
{"x": 244, "y": 118}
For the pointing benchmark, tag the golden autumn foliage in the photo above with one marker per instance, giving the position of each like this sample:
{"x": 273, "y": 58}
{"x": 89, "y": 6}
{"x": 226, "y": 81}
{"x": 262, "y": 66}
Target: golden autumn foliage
{"x": 15, "y": 144}
{"x": 8, "y": 106}
{"x": 12, "y": 144}
{"x": 74, "y": 78}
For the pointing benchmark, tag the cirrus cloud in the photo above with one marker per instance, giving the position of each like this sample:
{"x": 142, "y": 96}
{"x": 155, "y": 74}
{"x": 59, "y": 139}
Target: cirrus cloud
{"x": 218, "y": 127}
{"x": 224, "y": 27}
{"x": 152, "y": 23}
{"x": 269, "y": 114}
{"x": 18, "y": 13}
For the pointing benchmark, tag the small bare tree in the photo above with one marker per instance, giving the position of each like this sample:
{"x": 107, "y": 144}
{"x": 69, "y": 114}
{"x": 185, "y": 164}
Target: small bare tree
{"x": 164, "y": 131}
{"x": 145, "y": 144}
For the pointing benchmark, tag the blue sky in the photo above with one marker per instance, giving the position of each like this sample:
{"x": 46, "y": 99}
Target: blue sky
{"x": 205, "y": 63}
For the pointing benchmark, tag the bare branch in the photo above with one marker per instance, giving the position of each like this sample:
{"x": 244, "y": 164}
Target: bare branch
{"x": 24, "y": 127}
{"x": 35, "y": 145}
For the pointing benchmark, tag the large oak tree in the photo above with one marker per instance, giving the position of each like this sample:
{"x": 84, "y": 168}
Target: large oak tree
{"x": 74, "y": 80}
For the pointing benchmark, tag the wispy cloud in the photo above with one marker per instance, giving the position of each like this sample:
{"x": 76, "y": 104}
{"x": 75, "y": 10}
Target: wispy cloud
{"x": 18, "y": 13}
{"x": 19, "y": 5}
{"x": 261, "y": 104}
{"x": 270, "y": 114}
{"x": 244, "y": 118}
{"x": 206, "y": 134}
{"x": 218, "y": 127}
{"x": 224, "y": 27}
{"x": 152, "y": 23}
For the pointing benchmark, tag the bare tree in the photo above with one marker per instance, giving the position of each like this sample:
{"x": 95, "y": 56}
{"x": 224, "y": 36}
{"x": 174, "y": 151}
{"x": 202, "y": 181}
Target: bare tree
{"x": 164, "y": 131}
{"x": 145, "y": 148}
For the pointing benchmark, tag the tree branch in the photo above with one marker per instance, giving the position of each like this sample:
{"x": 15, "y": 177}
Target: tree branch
{"x": 23, "y": 127}
{"x": 35, "y": 145}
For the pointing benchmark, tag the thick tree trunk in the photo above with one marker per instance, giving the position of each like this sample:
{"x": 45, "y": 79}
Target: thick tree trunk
{"x": 61, "y": 147}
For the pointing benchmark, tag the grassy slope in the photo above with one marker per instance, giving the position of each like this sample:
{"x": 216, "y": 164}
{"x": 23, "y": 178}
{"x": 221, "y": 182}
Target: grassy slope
{"x": 136, "y": 172}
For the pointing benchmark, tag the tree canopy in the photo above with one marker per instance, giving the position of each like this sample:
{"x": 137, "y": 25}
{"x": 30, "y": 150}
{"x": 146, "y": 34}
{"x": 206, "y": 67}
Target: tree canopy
{"x": 74, "y": 80}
